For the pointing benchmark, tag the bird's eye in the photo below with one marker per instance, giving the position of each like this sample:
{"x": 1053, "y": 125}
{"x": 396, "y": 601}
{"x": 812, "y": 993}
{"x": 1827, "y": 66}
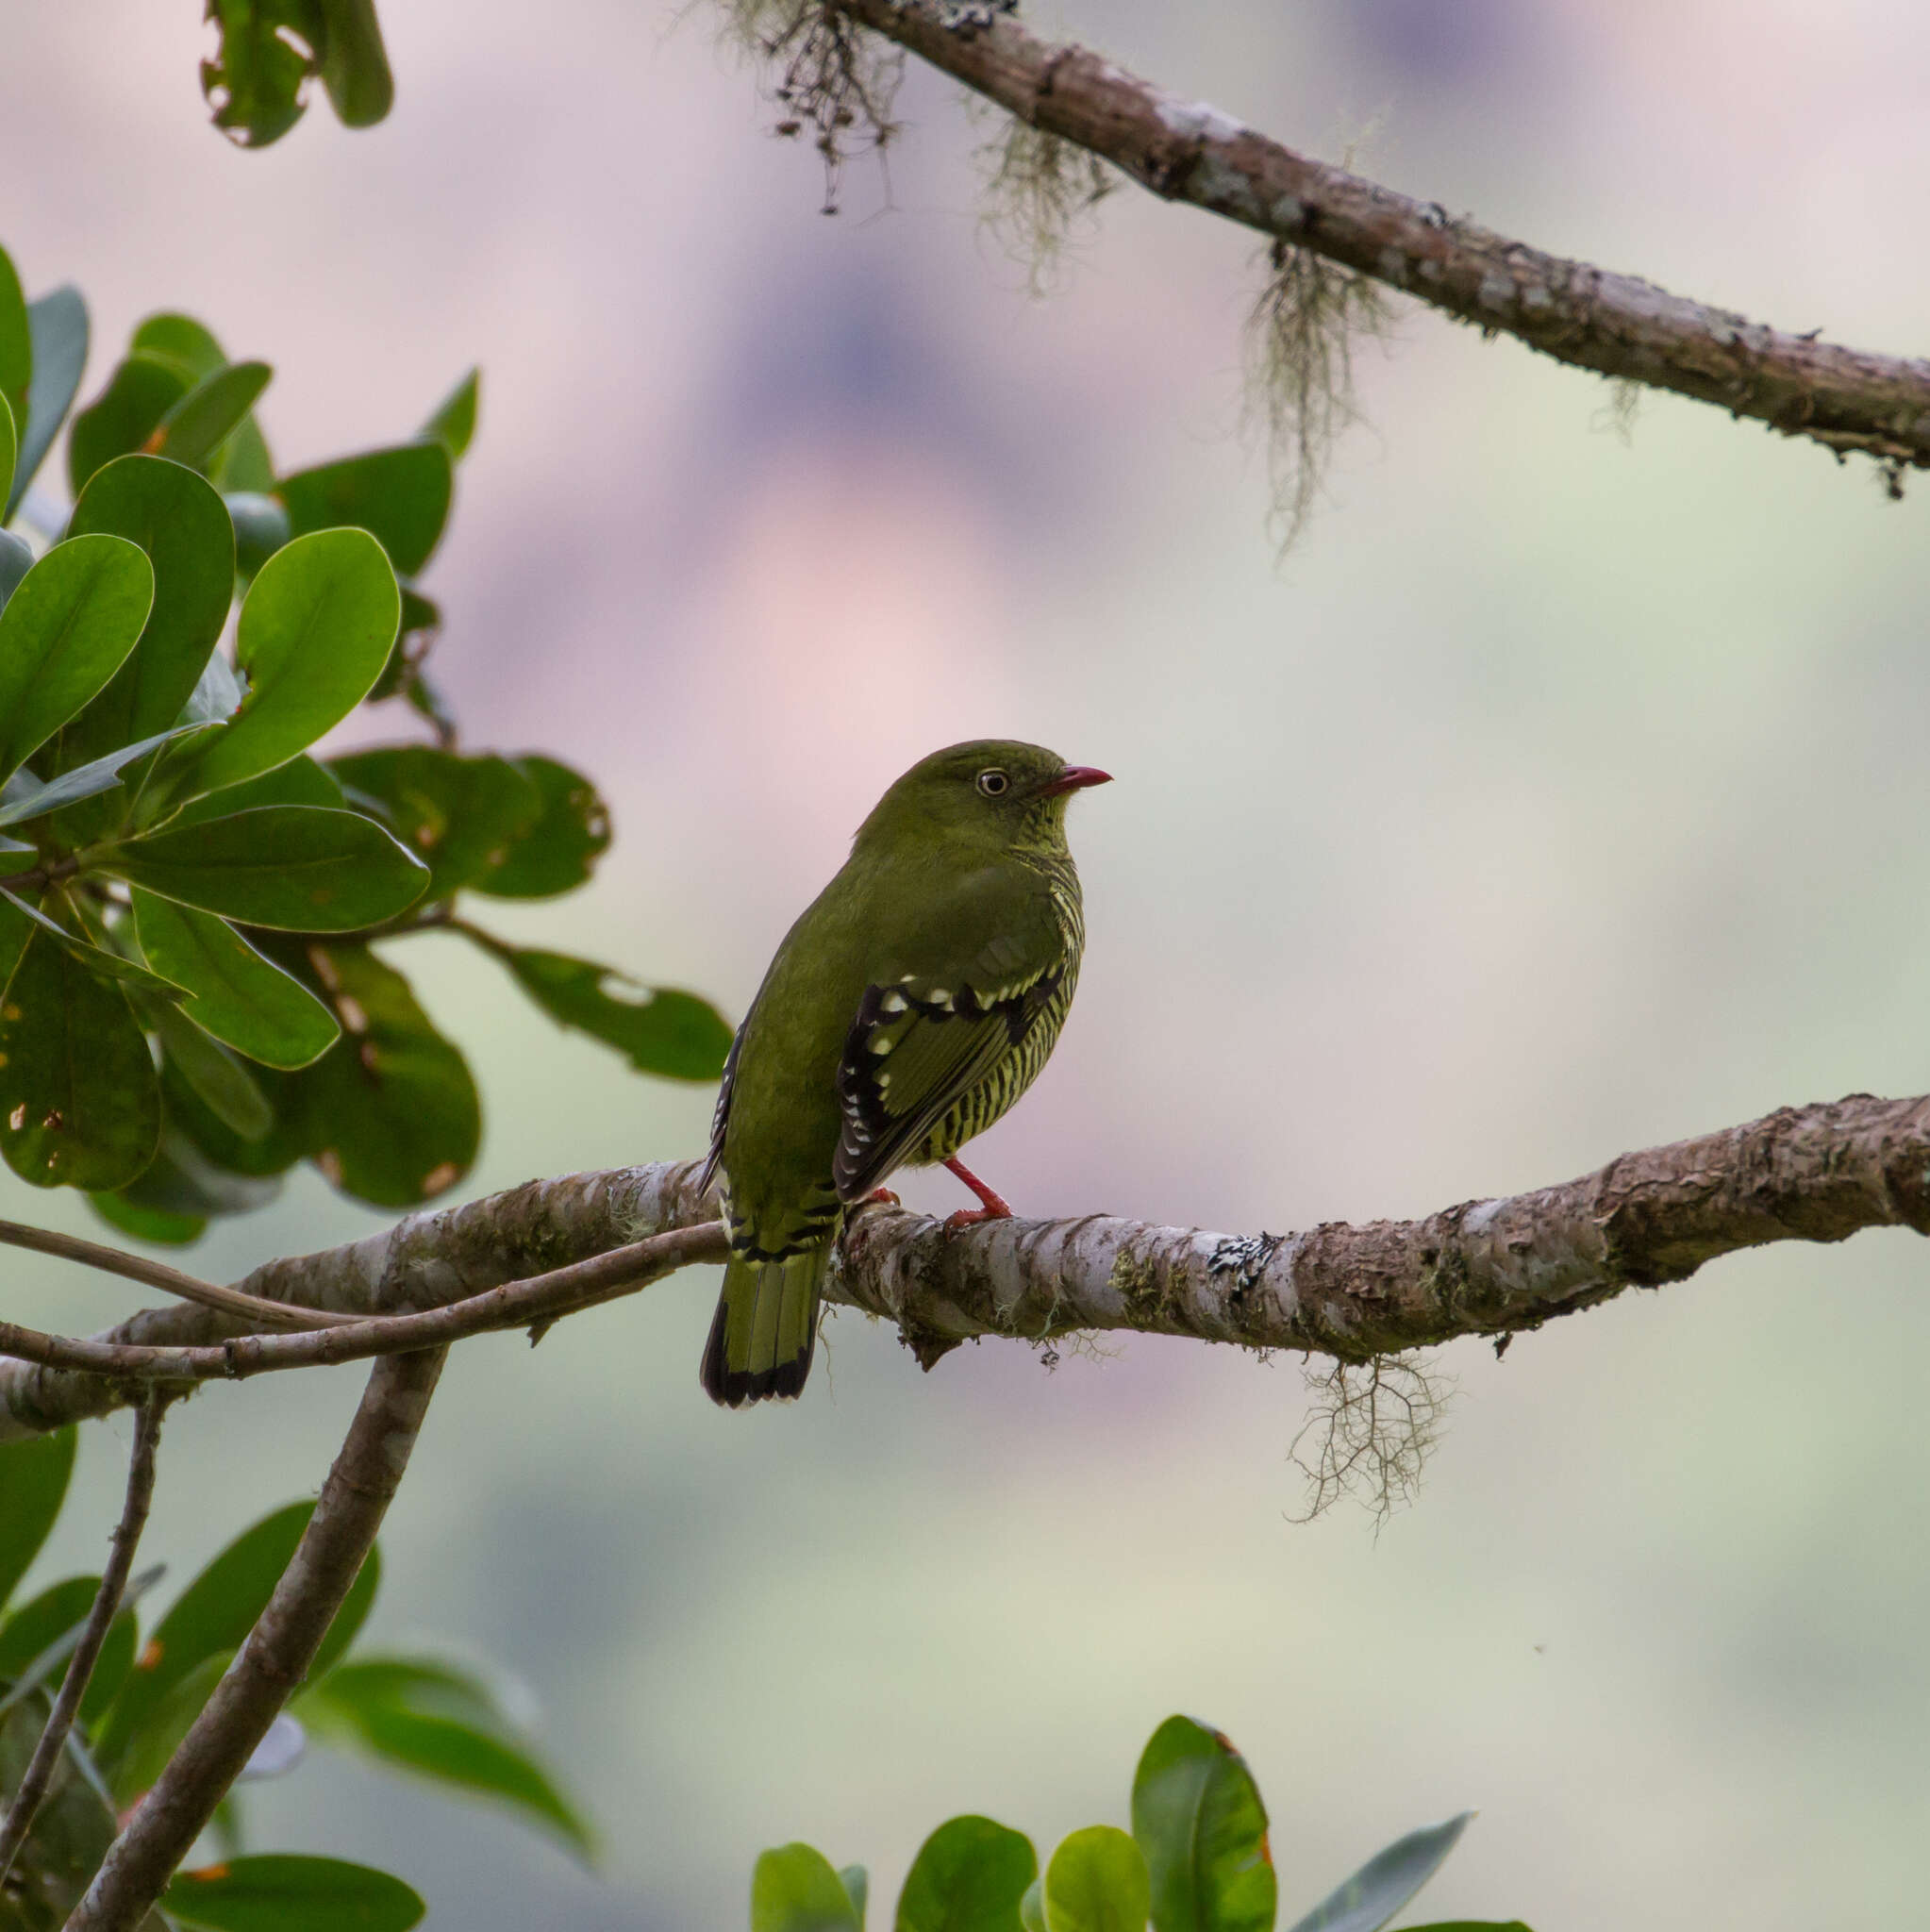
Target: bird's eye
{"x": 994, "y": 784}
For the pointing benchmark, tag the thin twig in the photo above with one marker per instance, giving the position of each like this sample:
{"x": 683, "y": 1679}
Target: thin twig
{"x": 107, "y": 1604}
{"x": 273, "y": 1661}
{"x": 541, "y": 1298}
{"x": 74, "y": 1248}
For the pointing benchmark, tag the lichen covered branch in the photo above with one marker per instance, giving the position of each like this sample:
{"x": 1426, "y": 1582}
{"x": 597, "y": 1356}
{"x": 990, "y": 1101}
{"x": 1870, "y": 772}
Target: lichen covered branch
{"x": 1619, "y": 325}
{"x": 1350, "y": 1292}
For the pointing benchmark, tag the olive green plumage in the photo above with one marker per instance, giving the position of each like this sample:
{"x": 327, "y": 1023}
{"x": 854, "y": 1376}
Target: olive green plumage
{"x": 909, "y": 1007}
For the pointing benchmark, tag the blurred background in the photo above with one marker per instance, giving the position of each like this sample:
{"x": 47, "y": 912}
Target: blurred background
{"x": 1560, "y": 794}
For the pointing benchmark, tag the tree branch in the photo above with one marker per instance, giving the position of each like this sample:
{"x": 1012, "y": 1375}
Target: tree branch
{"x": 541, "y": 1299}
{"x": 272, "y": 1662}
{"x": 100, "y": 1617}
{"x": 1616, "y": 325}
{"x": 1818, "y": 1173}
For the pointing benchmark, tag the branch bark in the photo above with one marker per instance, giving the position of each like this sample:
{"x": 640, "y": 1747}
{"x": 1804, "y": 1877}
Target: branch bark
{"x": 1492, "y": 1268}
{"x": 1616, "y": 324}
{"x": 272, "y": 1662}
{"x": 100, "y": 1617}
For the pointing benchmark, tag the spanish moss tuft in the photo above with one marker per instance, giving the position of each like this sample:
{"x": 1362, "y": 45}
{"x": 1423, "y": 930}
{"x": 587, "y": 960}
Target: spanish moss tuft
{"x": 1301, "y": 338}
{"x": 1037, "y": 190}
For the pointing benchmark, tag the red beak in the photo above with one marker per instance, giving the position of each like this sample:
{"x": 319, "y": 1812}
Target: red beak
{"x": 1075, "y": 778}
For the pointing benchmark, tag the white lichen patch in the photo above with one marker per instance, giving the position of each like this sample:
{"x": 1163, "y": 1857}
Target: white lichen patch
{"x": 1196, "y": 120}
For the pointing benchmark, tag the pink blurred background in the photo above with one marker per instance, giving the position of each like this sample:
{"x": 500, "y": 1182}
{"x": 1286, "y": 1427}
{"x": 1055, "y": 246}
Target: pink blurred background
{"x": 1557, "y": 796}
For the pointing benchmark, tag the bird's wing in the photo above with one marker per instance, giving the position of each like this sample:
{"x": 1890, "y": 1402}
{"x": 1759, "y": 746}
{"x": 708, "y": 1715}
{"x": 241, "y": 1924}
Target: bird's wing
{"x": 721, "y": 1119}
{"x": 919, "y": 1045}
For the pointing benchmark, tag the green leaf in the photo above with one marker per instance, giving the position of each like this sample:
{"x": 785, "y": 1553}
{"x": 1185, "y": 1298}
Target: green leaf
{"x": 284, "y": 1892}
{"x": 856, "y": 1882}
{"x": 400, "y": 494}
{"x": 266, "y": 51}
{"x": 1388, "y": 1879}
{"x": 35, "y": 800}
{"x": 1198, "y": 1818}
{"x": 233, "y": 992}
{"x": 182, "y": 523}
{"x": 169, "y": 1722}
{"x": 355, "y": 68}
{"x": 208, "y": 1619}
{"x": 242, "y": 463}
{"x": 59, "y": 326}
{"x": 64, "y": 633}
{"x": 208, "y": 414}
{"x": 459, "y": 815}
{"x": 16, "y": 337}
{"x": 33, "y": 1478}
{"x": 315, "y": 633}
{"x": 389, "y": 1114}
{"x": 79, "y": 1100}
{"x": 793, "y": 1889}
{"x": 183, "y": 1182}
{"x": 121, "y": 419}
{"x": 189, "y": 345}
{"x": 261, "y": 528}
{"x": 1470, "y": 1925}
{"x": 224, "y": 1085}
{"x": 16, "y": 560}
{"x": 439, "y": 1723}
{"x": 454, "y": 422}
{"x": 1097, "y": 1883}
{"x": 301, "y": 781}
{"x": 9, "y": 446}
{"x": 674, "y": 1035}
{"x": 71, "y": 1832}
{"x": 571, "y": 831}
{"x": 1032, "y": 1908}
{"x": 969, "y": 1876}
{"x": 294, "y": 867}
{"x": 225, "y": 1152}
{"x": 103, "y": 962}
{"x": 56, "y": 1614}
{"x": 156, "y": 1225}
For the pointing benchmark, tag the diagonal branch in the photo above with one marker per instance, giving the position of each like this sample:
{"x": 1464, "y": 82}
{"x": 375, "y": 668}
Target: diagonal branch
{"x": 100, "y": 1617}
{"x": 1616, "y": 325}
{"x": 1818, "y": 1173}
{"x": 269, "y": 1665}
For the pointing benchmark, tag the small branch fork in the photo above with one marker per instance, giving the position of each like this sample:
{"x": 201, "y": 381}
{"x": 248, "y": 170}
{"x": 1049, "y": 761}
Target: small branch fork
{"x": 1353, "y": 1293}
{"x": 1848, "y": 400}
{"x": 275, "y": 1656}
{"x": 107, "y": 1604}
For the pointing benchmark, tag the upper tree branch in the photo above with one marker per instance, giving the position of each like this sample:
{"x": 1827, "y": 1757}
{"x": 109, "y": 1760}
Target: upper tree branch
{"x": 1818, "y": 1173}
{"x": 272, "y": 1662}
{"x": 1616, "y": 325}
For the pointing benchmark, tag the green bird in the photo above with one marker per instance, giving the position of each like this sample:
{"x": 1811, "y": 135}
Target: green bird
{"x": 909, "y": 1007}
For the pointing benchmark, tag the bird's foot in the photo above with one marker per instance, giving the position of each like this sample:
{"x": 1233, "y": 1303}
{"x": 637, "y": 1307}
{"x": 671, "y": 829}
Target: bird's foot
{"x": 970, "y": 1217}
{"x": 994, "y": 1206}
{"x": 881, "y": 1197}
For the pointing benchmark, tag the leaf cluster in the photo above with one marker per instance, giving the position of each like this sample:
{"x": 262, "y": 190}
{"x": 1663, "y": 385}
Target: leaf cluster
{"x": 425, "y": 1716}
{"x": 1197, "y": 1859}
{"x": 189, "y": 889}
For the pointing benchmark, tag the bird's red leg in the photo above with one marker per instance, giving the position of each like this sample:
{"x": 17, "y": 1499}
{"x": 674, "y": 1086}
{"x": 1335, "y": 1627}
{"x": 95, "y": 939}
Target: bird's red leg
{"x": 884, "y": 1198}
{"x": 997, "y": 1207}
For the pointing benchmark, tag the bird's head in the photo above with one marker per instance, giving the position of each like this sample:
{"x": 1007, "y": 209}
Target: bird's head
{"x": 993, "y": 793}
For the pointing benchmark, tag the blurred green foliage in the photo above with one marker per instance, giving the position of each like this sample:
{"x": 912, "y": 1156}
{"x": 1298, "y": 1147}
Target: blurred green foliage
{"x": 268, "y": 53}
{"x": 429, "y": 1717}
{"x": 188, "y": 893}
{"x": 1197, "y": 1859}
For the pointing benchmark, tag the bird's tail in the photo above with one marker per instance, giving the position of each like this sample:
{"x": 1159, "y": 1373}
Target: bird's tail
{"x": 766, "y": 1327}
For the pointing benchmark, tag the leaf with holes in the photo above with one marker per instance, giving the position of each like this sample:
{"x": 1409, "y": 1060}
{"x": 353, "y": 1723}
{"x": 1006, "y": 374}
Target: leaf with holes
{"x": 389, "y": 1114}
{"x": 79, "y": 1100}
{"x": 559, "y": 850}
{"x": 461, "y": 816}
